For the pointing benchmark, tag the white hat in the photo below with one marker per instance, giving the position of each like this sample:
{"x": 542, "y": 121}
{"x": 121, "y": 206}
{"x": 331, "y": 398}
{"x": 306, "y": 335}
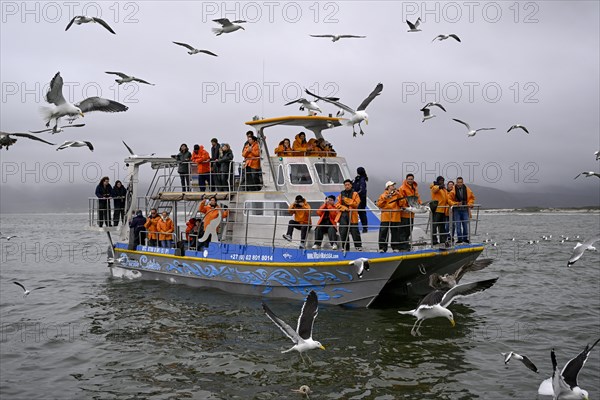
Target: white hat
{"x": 389, "y": 183}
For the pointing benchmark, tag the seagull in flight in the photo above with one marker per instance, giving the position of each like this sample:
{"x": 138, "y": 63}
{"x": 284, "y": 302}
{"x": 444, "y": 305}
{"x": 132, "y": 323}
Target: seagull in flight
{"x": 127, "y": 78}
{"x": 472, "y": 132}
{"x": 8, "y": 237}
{"x": 434, "y": 304}
{"x": 579, "y": 250}
{"x": 133, "y": 155}
{"x": 227, "y": 26}
{"x": 57, "y": 129}
{"x": 82, "y": 19}
{"x": 427, "y": 112}
{"x": 75, "y": 143}
{"x": 335, "y": 38}
{"x": 361, "y": 264}
{"x": 597, "y": 154}
{"x": 310, "y": 105}
{"x": 25, "y": 291}
{"x": 6, "y": 140}
{"x": 64, "y": 108}
{"x": 563, "y": 384}
{"x": 414, "y": 27}
{"x": 358, "y": 115}
{"x": 588, "y": 174}
{"x": 524, "y": 359}
{"x": 302, "y": 336}
{"x": 444, "y": 37}
{"x": 193, "y": 50}
{"x": 517, "y": 126}
{"x": 448, "y": 281}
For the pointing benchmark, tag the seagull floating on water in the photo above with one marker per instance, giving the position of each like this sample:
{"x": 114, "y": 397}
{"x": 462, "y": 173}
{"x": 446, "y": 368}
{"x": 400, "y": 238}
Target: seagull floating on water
{"x": 75, "y": 143}
{"x": 82, "y": 19}
{"x": 25, "y": 291}
{"x": 524, "y": 359}
{"x": 427, "y": 113}
{"x": 64, "y": 108}
{"x": 563, "y": 384}
{"x": 302, "y": 336}
{"x": 414, "y": 27}
{"x": 444, "y": 37}
{"x": 579, "y": 250}
{"x": 361, "y": 264}
{"x": 127, "y": 78}
{"x": 227, "y": 26}
{"x": 587, "y": 174}
{"x": 435, "y": 303}
{"x": 6, "y": 140}
{"x": 335, "y": 38}
{"x": 193, "y": 50}
{"x": 517, "y": 126}
{"x": 57, "y": 129}
{"x": 472, "y": 132}
{"x": 360, "y": 114}
{"x": 448, "y": 281}
{"x": 304, "y": 389}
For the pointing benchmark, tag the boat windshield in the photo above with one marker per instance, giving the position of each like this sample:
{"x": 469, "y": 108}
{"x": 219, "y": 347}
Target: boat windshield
{"x": 329, "y": 173}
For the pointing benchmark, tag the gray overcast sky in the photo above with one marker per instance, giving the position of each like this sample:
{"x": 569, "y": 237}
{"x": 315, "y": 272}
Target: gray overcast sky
{"x": 534, "y": 63}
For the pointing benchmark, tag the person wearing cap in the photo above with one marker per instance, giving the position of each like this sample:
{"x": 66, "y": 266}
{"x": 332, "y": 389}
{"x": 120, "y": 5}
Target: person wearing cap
{"x": 439, "y": 196}
{"x": 347, "y": 202}
{"x": 201, "y": 157}
{"x": 388, "y": 203}
{"x": 409, "y": 188}
{"x": 136, "y": 226}
{"x": 301, "y": 212}
{"x": 327, "y": 214}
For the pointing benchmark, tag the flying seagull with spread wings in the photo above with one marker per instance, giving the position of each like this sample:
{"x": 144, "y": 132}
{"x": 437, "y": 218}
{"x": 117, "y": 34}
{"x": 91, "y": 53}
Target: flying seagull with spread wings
{"x": 227, "y": 26}
{"x": 471, "y": 132}
{"x": 414, "y": 27}
{"x": 335, "y": 38}
{"x": 448, "y": 281}
{"x": 310, "y": 105}
{"x": 588, "y": 174}
{"x": 444, "y": 37}
{"x": 127, "y": 78}
{"x": 57, "y": 129}
{"x": 82, "y": 19}
{"x": 358, "y": 115}
{"x": 64, "y": 108}
{"x": 579, "y": 250}
{"x": 524, "y": 359}
{"x": 75, "y": 143}
{"x": 517, "y": 126}
{"x": 193, "y": 50}
{"x": 427, "y": 112}
{"x": 25, "y": 291}
{"x": 6, "y": 140}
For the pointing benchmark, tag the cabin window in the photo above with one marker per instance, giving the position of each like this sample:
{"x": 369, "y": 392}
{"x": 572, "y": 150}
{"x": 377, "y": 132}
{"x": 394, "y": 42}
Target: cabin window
{"x": 329, "y": 173}
{"x": 280, "y": 176}
{"x": 266, "y": 208}
{"x": 299, "y": 174}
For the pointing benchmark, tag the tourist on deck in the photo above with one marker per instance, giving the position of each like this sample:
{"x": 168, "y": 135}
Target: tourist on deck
{"x": 252, "y": 170}
{"x": 195, "y": 233}
{"x": 211, "y": 211}
{"x": 450, "y": 226}
{"x": 225, "y": 165}
{"x": 464, "y": 199}
{"x": 327, "y": 215}
{"x": 215, "y": 153}
{"x": 300, "y": 146}
{"x": 389, "y": 204}
{"x": 183, "y": 166}
{"x": 284, "y": 149}
{"x": 136, "y": 226}
{"x": 119, "y": 193}
{"x": 347, "y": 202}
{"x": 189, "y": 227}
{"x": 409, "y": 188}
{"x": 301, "y": 212}
{"x": 328, "y": 150}
{"x": 151, "y": 227}
{"x": 165, "y": 229}
{"x": 104, "y": 192}
{"x": 360, "y": 186}
{"x": 201, "y": 157}
{"x": 440, "y": 203}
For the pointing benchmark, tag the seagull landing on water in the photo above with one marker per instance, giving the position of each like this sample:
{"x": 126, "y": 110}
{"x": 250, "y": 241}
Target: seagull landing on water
{"x": 304, "y": 389}
{"x": 227, "y": 26}
{"x": 193, "y": 50}
{"x": 302, "y": 336}
{"x": 579, "y": 250}
{"x": 127, "y": 78}
{"x": 360, "y": 114}
{"x": 309, "y": 105}
{"x": 361, "y": 264}
{"x": 517, "y": 126}
{"x": 82, "y": 19}
{"x": 335, "y": 38}
{"x": 444, "y": 37}
{"x": 588, "y": 174}
{"x": 414, "y": 27}
{"x": 64, "y": 108}
{"x": 25, "y": 291}
{"x": 427, "y": 113}
{"x": 6, "y": 140}
{"x": 435, "y": 303}
{"x": 133, "y": 155}
{"x": 563, "y": 384}
{"x": 524, "y": 359}
{"x": 472, "y": 132}
{"x": 57, "y": 129}
{"x": 75, "y": 143}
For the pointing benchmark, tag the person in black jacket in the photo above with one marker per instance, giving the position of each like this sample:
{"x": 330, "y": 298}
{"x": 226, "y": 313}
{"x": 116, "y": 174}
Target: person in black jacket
{"x": 215, "y": 154}
{"x": 183, "y": 166}
{"x": 137, "y": 226}
{"x": 225, "y": 164}
{"x": 103, "y": 192}
{"x": 118, "y": 194}
{"x": 360, "y": 186}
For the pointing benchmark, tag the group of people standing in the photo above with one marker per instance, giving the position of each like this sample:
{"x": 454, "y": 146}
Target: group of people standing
{"x": 214, "y": 169}
{"x": 105, "y": 193}
{"x": 302, "y": 147}
{"x": 458, "y": 198}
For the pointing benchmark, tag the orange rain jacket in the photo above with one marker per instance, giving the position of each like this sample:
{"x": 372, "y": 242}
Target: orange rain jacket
{"x": 332, "y": 213}
{"x": 166, "y": 227}
{"x": 347, "y": 204}
{"x": 406, "y": 190}
{"x": 302, "y": 214}
{"x": 202, "y": 158}
{"x": 251, "y": 154}
{"x": 443, "y": 199}
{"x": 390, "y": 206}
{"x": 150, "y": 226}
{"x": 211, "y": 213}
{"x": 470, "y": 197}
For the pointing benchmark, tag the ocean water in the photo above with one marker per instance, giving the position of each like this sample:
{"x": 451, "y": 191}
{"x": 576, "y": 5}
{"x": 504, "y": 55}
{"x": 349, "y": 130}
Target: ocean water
{"x": 89, "y": 336}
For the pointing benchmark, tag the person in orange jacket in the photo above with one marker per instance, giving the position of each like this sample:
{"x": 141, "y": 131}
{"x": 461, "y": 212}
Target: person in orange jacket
{"x": 347, "y": 202}
{"x": 252, "y": 171}
{"x": 301, "y": 212}
{"x": 165, "y": 229}
{"x": 284, "y": 149}
{"x": 439, "y": 219}
{"x": 409, "y": 188}
{"x": 388, "y": 203}
{"x": 201, "y": 157}
{"x": 464, "y": 199}
{"x": 211, "y": 211}
{"x": 300, "y": 146}
{"x": 327, "y": 223}
{"x": 150, "y": 226}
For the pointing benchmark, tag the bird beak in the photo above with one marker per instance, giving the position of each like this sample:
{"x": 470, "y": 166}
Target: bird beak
{"x": 81, "y": 113}
{"x": 366, "y": 121}
{"x": 242, "y": 27}
{"x": 452, "y": 323}
{"x": 322, "y": 347}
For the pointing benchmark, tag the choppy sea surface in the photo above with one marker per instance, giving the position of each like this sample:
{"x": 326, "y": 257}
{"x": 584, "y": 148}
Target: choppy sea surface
{"x": 89, "y": 336}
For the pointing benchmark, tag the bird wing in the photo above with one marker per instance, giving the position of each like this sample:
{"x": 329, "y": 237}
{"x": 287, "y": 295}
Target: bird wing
{"x": 239, "y": 21}
{"x": 104, "y": 24}
{"x": 72, "y": 126}
{"x": 70, "y": 23}
{"x": 22, "y": 287}
{"x": 100, "y": 104}
{"x": 577, "y": 176}
{"x": 223, "y": 21}
{"x": 28, "y": 136}
{"x": 432, "y": 298}
{"x": 42, "y": 131}
{"x": 334, "y": 102}
{"x": 143, "y": 81}
{"x": 292, "y": 102}
{"x": 128, "y": 148}
{"x": 484, "y": 129}
{"x": 426, "y": 112}
{"x": 411, "y": 25}
{"x": 309, "y": 312}
{"x": 436, "y": 104}
{"x": 376, "y": 92}
{"x": 462, "y": 122}
{"x": 472, "y": 266}
{"x": 436, "y": 281}
{"x": 65, "y": 145}
{"x": 452, "y": 35}
{"x": 40, "y": 287}
{"x": 208, "y": 52}
{"x": 89, "y": 145}
{"x": 579, "y": 250}
{"x": 54, "y": 94}
{"x": 438, "y": 37}
{"x": 351, "y": 36}
{"x": 418, "y": 22}
{"x": 526, "y": 361}
{"x": 572, "y": 368}
{"x": 285, "y": 328}
{"x": 327, "y": 36}
{"x": 466, "y": 289}
{"x": 185, "y": 45}
{"x": 122, "y": 75}
{"x": 522, "y": 127}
